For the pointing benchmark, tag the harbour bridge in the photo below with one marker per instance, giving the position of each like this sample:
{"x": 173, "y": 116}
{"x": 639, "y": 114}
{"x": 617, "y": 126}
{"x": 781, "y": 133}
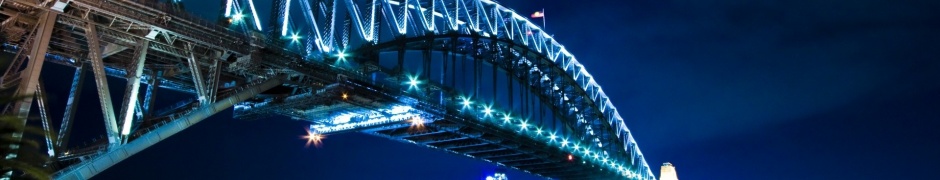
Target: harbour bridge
{"x": 469, "y": 77}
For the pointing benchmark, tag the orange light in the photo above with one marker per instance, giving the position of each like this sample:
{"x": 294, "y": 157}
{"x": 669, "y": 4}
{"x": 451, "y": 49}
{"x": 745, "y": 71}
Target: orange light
{"x": 417, "y": 124}
{"x": 313, "y": 138}
{"x": 345, "y": 96}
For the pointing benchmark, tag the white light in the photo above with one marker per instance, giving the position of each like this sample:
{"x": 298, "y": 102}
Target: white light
{"x": 466, "y": 102}
{"x": 564, "y": 142}
{"x": 552, "y": 136}
{"x": 344, "y": 118}
{"x": 399, "y": 109}
{"x": 417, "y": 121}
{"x": 295, "y": 37}
{"x": 286, "y": 18}
{"x": 487, "y": 111}
{"x": 341, "y": 55}
{"x": 254, "y": 14}
{"x": 524, "y": 125}
{"x": 413, "y": 82}
{"x": 507, "y": 119}
{"x": 228, "y": 7}
{"x": 576, "y": 147}
{"x": 238, "y": 16}
{"x": 538, "y": 131}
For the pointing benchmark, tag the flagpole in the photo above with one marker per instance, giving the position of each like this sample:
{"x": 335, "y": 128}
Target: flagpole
{"x": 543, "y": 20}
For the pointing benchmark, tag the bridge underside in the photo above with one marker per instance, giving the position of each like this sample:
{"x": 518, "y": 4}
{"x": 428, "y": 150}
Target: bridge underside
{"x": 353, "y": 107}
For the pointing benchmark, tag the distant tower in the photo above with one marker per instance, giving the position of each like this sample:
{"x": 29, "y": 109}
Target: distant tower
{"x": 667, "y": 172}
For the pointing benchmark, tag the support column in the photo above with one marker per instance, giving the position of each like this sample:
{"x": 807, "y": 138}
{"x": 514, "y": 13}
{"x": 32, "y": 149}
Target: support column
{"x": 104, "y": 93}
{"x": 48, "y": 132}
{"x": 134, "y": 72}
{"x": 87, "y": 169}
{"x": 401, "y": 64}
{"x": 212, "y": 87}
{"x": 29, "y": 77}
{"x": 197, "y": 77}
{"x": 152, "y": 86}
{"x": 70, "y": 108}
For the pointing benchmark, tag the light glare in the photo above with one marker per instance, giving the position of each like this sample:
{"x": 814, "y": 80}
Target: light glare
{"x": 466, "y": 102}
{"x": 313, "y": 138}
{"x": 238, "y": 17}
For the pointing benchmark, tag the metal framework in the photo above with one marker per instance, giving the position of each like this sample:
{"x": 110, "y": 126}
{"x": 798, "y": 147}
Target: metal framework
{"x": 331, "y": 69}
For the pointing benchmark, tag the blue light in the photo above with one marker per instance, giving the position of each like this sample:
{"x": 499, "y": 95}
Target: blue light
{"x": 538, "y": 131}
{"x": 564, "y": 142}
{"x": 507, "y": 119}
{"x": 552, "y": 136}
{"x": 524, "y": 125}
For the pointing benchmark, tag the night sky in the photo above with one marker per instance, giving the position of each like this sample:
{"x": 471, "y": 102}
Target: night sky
{"x": 722, "y": 89}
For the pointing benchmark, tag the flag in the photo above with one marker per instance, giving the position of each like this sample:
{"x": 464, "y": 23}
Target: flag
{"x": 538, "y": 14}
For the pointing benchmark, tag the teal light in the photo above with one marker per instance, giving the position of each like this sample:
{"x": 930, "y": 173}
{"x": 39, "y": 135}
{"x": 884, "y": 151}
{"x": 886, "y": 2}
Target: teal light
{"x": 413, "y": 82}
{"x": 295, "y": 37}
{"x": 466, "y": 102}
{"x": 238, "y": 17}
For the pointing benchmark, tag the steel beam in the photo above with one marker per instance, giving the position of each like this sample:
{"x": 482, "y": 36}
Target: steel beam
{"x": 198, "y": 81}
{"x": 212, "y": 87}
{"x": 70, "y": 108}
{"x": 48, "y": 131}
{"x": 134, "y": 73}
{"x": 101, "y": 80}
{"x": 91, "y": 167}
{"x": 29, "y": 78}
{"x": 152, "y": 86}
{"x": 112, "y": 49}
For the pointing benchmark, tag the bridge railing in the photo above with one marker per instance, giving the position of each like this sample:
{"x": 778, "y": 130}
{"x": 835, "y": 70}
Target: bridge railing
{"x": 183, "y": 17}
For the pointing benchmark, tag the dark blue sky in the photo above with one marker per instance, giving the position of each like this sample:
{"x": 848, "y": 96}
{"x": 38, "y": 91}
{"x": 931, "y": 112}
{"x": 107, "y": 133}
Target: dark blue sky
{"x": 723, "y": 89}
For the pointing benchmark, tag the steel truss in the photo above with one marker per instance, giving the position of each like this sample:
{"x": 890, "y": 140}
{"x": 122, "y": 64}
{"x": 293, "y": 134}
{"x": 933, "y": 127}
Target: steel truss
{"x": 160, "y": 46}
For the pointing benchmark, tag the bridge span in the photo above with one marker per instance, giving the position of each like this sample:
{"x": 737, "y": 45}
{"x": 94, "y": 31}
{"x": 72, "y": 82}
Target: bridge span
{"x": 470, "y": 77}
